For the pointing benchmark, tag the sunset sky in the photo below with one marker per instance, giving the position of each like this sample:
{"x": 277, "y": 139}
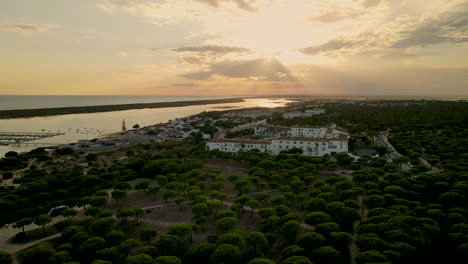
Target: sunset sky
{"x": 234, "y": 47}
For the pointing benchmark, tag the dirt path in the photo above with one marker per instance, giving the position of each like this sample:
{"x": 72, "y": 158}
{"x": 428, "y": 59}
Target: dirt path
{"x": 7, "y": 233}
{"x": 353, "y": 248}
{"x": 427, "y": 164}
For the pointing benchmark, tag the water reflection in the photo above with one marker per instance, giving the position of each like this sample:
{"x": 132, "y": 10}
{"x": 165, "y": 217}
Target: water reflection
{"x": 88, "y": 126}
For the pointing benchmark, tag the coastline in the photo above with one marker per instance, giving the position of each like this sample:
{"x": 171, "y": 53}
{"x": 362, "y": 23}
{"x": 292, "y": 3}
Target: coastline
{"x": 25, "y": 113}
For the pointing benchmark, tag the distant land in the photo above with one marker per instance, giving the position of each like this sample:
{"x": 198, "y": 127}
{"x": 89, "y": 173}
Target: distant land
{"x": 23, "y": 113}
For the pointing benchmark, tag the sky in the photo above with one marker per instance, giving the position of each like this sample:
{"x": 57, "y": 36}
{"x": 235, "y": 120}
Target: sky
{"x": 234, "y": 47}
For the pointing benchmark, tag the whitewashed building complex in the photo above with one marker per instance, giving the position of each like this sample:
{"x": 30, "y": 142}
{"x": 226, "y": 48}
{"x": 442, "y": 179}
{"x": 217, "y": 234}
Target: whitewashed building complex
{"x": 314, "y": 141}
{"x": 307, "y": 113}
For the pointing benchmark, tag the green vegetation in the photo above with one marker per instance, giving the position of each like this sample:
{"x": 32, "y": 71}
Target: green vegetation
{"x": 287, "y": 208}
{"x": 373, "y": 117}
{"x": 240, "y": 133}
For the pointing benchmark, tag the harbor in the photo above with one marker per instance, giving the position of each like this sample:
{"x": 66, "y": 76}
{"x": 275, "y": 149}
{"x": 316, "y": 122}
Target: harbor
{"x": 10, "y": 138}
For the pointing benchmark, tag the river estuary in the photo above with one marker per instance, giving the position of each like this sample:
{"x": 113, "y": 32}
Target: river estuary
{"x": 88, "y": 126}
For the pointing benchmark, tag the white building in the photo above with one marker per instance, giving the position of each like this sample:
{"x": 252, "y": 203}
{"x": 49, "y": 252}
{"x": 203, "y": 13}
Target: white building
{"x": 235, "y": 145}
{"x": 307, "y": 113}
{"x": 315, "y": 111}
{"x": 308, "y": 131}
{"x": 316, "y": 132}
{"x": 267, "y": 131}
{"x": 299, "y": 131}
{"x": 315, "y": 147}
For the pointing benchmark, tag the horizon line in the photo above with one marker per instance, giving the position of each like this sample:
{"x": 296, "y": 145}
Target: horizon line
{"x": 253, "y": 96}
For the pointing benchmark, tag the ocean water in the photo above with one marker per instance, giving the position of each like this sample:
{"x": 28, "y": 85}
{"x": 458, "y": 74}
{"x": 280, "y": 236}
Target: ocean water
{"x": 10, "y": 102}
{"x": 88, "y": 126}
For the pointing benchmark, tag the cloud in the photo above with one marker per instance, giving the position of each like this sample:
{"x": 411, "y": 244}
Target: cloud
{"x": 28, "y": 28}
{"x": 186, "y": 84}
{"x": 208, "y": 54}
{"x": 370, "y": 3}
{"x": 242, "y": 4}
{"x": 450, "y": 26}
{"x": 203, "y": 75}
{"x": 193, "y": 60}
{"x": 333, "y": 46}
{"x": 163, "y": 12}
{"x": 349, "y": 45}
{"x": 385, "y": 80}
{"x": 404, "y": 33}
{"x": 267, "y": 70}
{"x": 335, "y": 16}
{"x": 213, "y": 49}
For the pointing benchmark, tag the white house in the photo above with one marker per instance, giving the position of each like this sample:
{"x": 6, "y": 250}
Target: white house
{"x": 316, "y": 147}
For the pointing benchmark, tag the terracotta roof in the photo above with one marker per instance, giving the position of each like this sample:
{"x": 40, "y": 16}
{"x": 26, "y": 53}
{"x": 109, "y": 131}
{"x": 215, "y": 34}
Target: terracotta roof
{"x": 223, "y": 140}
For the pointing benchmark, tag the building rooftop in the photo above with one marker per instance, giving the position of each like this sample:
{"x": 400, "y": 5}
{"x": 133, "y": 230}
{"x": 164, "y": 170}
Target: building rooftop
{"x": 303, "y": 139}
{"x": 242, "y": 141}
{"x": 340, "y": 137}
{"x": 306, "y": 127}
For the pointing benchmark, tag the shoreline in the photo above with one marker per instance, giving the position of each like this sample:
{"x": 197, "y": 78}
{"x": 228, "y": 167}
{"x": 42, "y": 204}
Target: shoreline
{"x": 27, "y": 113}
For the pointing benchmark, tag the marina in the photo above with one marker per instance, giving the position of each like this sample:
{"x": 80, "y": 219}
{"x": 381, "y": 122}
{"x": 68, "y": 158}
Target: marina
{"x": 9, "y": 138}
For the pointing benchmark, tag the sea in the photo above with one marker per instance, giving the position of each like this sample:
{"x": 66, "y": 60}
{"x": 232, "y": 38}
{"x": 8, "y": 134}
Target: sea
{"x": 10, "y": 102}
{"x": 76, "y": 127}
